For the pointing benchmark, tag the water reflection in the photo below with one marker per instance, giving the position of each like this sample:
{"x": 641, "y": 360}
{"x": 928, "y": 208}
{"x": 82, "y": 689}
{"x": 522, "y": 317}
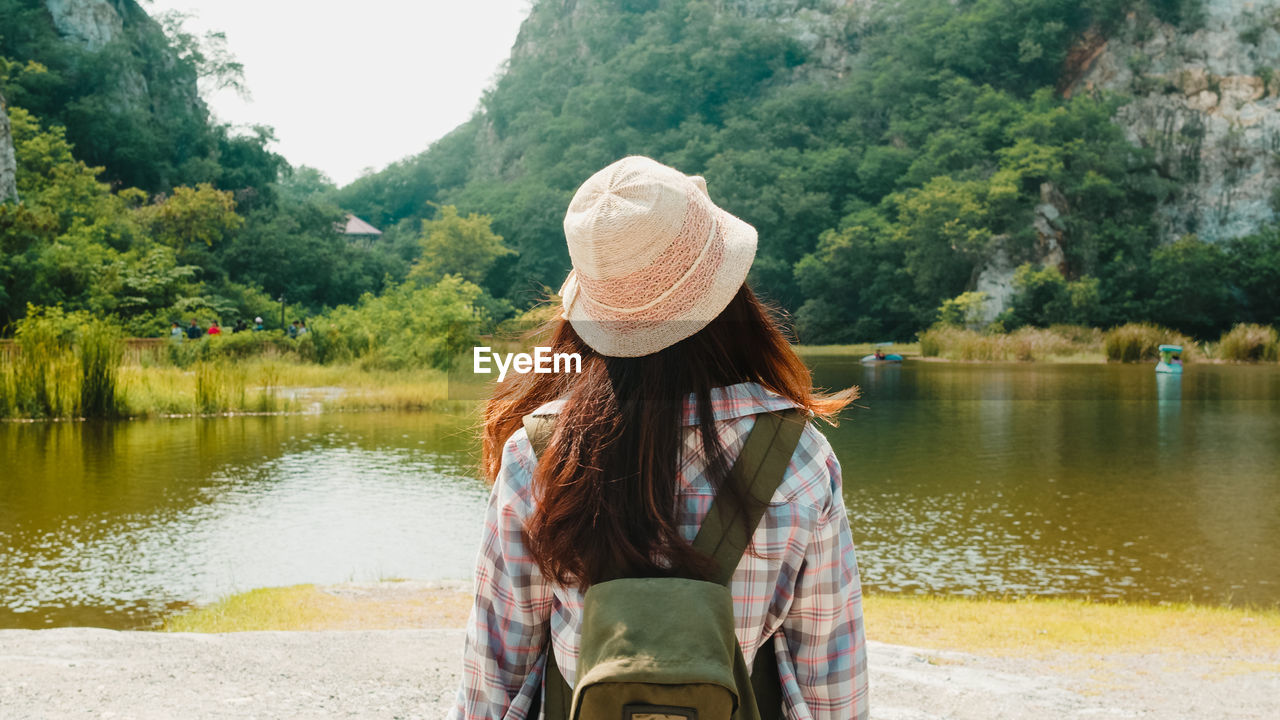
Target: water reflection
{"x": 1099, "y": 481}
{"x": 116, "y": 524}
{"x": 1169, "y": 395}
{"x": 1065, "y": 480}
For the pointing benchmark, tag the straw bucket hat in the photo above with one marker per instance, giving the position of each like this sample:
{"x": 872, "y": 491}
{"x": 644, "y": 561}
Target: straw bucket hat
{"x": 654, "y": 260}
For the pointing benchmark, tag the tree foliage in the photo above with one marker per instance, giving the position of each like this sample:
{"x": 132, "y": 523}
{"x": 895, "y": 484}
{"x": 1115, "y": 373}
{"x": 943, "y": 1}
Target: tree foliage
{"x": 463, "y": 246}
{"x": 879, "y": 191}
{"x": 885, "y": 166}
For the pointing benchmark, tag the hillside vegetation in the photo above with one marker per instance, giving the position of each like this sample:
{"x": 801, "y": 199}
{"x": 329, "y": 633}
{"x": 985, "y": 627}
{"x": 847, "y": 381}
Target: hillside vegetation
{"x": 888, "y": 152}
{"x": 884, "y": 163}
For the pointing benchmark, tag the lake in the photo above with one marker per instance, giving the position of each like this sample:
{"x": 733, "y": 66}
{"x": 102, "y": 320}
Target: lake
{"x": 1095, "y": 481}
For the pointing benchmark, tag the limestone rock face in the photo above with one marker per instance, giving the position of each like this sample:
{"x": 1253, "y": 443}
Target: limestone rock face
{"x": 1208, "y": 104}
{"x": 822, "y": 27}
{"x": 995, "y": 277}
{"x": 92, "y": 23}
{"x": 8, "y": 159}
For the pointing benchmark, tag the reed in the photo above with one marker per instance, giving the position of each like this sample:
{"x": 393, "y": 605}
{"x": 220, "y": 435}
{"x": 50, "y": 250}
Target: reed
{"x": 1026, "y": 344}
{"x": 1249, "y": 343}
{"x": 100, "y": 350}
{"x": 8, "y": 399}
{"x": 258, "y": 385}
{"x": 220, "y": 387}
{"x": 45, "y": 377}
{"x": 1140, "y": 342}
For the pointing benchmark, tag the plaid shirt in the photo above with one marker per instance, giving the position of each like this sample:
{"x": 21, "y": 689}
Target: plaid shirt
{"x": 803, "y": 593}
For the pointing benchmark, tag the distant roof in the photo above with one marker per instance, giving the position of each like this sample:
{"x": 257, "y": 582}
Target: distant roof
{"x": 356, "y": 226}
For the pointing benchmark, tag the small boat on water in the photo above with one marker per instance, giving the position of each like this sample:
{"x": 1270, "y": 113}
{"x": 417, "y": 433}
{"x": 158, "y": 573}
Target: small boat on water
{"x": 879, "y": 357}
{"x": 1170, "y": 360}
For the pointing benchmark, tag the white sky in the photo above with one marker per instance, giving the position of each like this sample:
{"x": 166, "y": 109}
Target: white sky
{"x": 349, "y": 86}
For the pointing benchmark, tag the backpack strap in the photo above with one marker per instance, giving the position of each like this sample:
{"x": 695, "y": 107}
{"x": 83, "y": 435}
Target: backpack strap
{"x": 758, "y": 472}
{"x": 725, "y": 534}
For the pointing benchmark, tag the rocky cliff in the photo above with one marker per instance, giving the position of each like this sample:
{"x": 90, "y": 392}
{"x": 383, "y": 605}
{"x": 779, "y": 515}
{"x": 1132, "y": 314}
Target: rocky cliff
{"x": 94, "y": 24}
{"x": 125, "y": 92}
{"x": 91, "y": 23}
{"x": 1208, "y": 103}
{"x": 8, "y": 161}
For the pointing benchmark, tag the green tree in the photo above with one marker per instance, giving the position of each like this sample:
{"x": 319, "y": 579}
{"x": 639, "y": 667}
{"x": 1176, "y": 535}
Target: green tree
{"x": 456, "y": 245}
{"x": 1254, "y": 268}
{"x": 1043, "y": 297}
{"x": 1190, "y": 289}
{"x": 410, "y": 325}
{"x": 193, "y": 216}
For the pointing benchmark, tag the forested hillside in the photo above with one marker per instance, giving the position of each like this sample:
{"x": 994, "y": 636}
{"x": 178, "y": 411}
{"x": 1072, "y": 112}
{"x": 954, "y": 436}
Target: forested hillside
{"x": 892, "y": 154}
{"x": 132, "y": 201}
{"x": 1090, "y": 162}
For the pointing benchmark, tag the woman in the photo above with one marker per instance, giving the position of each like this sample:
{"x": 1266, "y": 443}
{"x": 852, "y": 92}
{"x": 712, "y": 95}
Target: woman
{"x": 678, "y": 358}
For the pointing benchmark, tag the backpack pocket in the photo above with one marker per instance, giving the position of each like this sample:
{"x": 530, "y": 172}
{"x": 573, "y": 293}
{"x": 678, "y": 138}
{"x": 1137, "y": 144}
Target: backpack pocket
{"x": 658, "y": 649}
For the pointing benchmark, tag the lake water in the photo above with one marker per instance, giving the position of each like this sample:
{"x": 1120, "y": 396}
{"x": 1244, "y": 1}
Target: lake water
{"x": 1073, "y": 480}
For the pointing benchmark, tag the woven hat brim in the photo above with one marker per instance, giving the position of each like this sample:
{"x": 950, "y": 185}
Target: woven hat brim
{"x": 612, "y": 339}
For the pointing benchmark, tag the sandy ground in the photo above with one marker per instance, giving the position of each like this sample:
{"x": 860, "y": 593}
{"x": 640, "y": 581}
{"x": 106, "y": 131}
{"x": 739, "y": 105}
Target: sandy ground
{"x": 92, "y": 673}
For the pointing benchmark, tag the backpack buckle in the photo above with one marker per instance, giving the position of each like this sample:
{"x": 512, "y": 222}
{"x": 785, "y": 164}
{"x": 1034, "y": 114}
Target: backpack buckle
{"x": 658, "y": 712}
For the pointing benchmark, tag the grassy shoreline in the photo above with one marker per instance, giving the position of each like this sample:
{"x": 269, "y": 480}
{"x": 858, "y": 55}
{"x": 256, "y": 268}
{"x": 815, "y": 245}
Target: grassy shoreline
{"x": 266, "y": 386}
{"x": 1129, "y": 343}
{"x": 995, "y": 626}
{"x": 67, "y": 386}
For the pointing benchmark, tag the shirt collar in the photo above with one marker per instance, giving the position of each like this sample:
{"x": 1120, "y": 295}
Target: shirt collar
{"x": 727, "y": 403}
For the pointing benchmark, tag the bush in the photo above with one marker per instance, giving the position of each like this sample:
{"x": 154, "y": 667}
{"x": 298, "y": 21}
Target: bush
{"x": 229, "y": 346}
{"x": 1044, "y": 297}
{"x": 1250, "y": 343}
{"x": 406, "y": 327}
{"x": 966, "y": 310}
{"x": 1140, "y": 342}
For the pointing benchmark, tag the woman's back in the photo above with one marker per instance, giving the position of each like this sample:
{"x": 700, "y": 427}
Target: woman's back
{"x": 678, "y": 359}
{"x": 800, "y": 581}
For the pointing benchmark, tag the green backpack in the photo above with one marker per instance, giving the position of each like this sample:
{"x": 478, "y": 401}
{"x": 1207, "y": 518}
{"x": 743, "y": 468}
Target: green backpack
{"x": 664, "y": 648}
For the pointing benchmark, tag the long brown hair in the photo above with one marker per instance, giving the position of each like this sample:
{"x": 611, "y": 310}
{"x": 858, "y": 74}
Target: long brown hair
{"x": 606, "y": 486}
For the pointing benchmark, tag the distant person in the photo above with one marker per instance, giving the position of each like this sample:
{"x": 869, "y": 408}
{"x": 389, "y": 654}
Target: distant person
{"x": 257, "y": 324}
{"x": 175, "y": 331}
{"x": 241, "y": 326}
{"x": 302, "y": 327}
{"x": 214, "y": 329}
{"x": 879, "y": 354}
{"x": 193, "y": 330}
{"x": 293, "y": 329}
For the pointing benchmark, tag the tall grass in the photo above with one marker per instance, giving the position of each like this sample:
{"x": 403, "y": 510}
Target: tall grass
{"x": 101, "y": 349}
{"x": 1250, "y": 343}
{"x": 45, "y": 377}
{"x": 1024, "y": 344}
{"x": 7, "y": 399}
{"x": 1140, "y": 342}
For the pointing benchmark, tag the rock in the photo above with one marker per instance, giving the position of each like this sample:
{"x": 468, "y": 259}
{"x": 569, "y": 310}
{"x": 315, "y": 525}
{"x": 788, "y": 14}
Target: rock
{"x": 1193, "y": 81}
{"x": 995, "y": 278}
{"x": 8, "y": 159}
{"x": 1217, "y": 134}
{"x": 92, "y": 23}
